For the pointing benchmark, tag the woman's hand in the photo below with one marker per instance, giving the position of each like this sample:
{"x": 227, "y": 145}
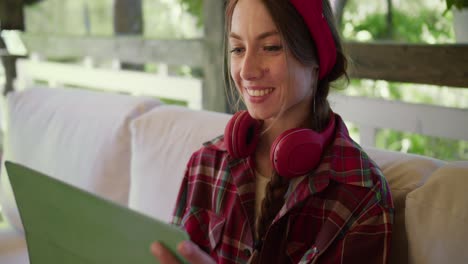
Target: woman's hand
{"x": 191, "y": 252}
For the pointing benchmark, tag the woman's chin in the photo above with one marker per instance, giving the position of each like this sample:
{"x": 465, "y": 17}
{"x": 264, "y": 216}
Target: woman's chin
{"x": 260, "y": 114}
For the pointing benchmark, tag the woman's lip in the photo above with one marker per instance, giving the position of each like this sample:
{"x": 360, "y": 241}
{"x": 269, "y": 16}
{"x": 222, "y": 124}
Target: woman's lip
{"x": 258, "y": 87}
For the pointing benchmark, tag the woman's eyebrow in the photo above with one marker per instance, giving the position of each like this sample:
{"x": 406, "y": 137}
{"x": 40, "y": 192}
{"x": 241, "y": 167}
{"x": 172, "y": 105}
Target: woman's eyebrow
{"x": 234, "y": 35}
{"x": 267, "y": 34}
{"x": 259, "y": 37}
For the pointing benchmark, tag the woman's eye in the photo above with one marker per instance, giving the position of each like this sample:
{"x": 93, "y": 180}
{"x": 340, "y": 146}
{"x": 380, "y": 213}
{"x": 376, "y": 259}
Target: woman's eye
{"x": 273, "y": 48}
{"x": 236, "y": 50}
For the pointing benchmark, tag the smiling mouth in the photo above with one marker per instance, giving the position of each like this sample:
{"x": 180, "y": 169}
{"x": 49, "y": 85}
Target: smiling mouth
{"x": 259, "y": 92}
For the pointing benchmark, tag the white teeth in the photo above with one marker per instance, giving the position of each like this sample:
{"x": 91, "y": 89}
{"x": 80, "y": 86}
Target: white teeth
{"x": 259, "y": 92}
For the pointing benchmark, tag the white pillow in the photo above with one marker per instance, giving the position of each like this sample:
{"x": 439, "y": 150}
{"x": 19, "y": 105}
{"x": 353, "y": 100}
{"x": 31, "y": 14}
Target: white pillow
{"x": 80, "y": 137}
{"x": 437, "y": 217}
{"x": 404, "y": 173}
{"x": 162, "y": 143}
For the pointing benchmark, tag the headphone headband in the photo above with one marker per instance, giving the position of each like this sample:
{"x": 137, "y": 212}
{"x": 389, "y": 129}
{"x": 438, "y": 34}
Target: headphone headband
{"x": 312, "y": 13}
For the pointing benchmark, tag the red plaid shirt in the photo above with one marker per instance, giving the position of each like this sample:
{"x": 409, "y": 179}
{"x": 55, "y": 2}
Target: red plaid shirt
{"x": 340, "y": 213}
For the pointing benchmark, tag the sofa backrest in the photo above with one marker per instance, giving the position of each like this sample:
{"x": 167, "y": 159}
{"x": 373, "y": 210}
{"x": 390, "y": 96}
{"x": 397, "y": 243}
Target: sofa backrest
{"x": 164, "y": 138}
{"x": 162, "y": 143}
{"x": 126, "y": 148}
{"x": 78, "y": 136}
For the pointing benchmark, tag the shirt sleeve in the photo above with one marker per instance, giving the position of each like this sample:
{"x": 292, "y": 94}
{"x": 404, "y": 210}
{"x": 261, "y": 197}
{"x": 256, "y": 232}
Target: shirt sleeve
{"x": 181, "y": 202}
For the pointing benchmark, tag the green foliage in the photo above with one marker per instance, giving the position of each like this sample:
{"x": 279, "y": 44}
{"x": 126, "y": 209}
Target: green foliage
{"x": 459, "y": 4}
{"x": 445, "y": 149}
{"x": 427, "y": 26}
{"x": 195, "y": 8}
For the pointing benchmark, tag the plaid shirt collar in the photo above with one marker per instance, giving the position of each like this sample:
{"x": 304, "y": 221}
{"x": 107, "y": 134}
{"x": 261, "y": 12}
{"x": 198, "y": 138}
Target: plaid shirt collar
{"x": 338, "y": 164}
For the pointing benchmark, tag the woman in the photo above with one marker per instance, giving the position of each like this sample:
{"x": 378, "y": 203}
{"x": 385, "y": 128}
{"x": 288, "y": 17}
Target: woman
{"x": 286, "y": 184}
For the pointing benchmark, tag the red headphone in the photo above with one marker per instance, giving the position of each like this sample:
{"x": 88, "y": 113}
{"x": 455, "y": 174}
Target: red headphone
{"x": 294, "y": 153}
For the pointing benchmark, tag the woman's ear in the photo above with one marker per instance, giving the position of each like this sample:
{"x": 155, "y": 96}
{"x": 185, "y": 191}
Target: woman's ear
{"x": 315, "y": 74}
{"x": 315, "y": 70}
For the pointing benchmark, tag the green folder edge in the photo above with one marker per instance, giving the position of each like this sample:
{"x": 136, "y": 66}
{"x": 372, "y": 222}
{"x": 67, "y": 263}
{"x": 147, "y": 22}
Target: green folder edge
{"x": 64, "y": 224}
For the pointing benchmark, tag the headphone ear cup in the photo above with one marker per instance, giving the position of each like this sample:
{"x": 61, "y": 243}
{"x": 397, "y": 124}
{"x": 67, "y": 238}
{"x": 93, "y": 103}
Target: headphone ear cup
{"x": 241, "y": 135}
{"x": 296, "y": 152}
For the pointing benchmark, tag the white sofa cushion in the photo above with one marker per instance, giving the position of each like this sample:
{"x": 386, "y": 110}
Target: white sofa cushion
{"x": 404, "y": 173}
{"x": 437, "y": 217}
{"x": 162, "y": 143}
{"x": 78, "y": 136}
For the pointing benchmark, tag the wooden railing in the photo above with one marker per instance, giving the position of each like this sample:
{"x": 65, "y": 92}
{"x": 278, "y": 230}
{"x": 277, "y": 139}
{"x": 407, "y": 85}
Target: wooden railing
{"x": 426, "y": 64}
{"x": 441, "y": 64}
{"x": 126, "y": 49}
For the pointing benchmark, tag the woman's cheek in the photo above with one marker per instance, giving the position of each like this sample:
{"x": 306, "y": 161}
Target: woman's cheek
{"x": 236, "y": 77}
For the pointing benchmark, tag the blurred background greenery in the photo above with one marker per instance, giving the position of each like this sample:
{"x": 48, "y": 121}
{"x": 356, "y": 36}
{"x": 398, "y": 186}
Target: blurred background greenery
{"x": 417, "y": 21}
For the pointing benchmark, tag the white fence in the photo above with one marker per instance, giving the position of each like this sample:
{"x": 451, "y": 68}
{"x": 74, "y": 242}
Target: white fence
{"x": 55, "y": 74}
{"x": 369, "y": 114}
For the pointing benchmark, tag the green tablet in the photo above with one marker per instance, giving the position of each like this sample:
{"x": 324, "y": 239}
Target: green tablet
{"x": 64, "y": 224}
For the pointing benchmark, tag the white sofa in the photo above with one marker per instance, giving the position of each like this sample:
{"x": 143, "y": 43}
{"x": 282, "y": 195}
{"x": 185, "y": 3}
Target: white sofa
{"x": 134, "y": 151}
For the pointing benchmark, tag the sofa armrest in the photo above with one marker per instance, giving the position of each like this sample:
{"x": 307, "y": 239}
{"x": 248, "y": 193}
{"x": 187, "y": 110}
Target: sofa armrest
{"x": 436, "y": 217}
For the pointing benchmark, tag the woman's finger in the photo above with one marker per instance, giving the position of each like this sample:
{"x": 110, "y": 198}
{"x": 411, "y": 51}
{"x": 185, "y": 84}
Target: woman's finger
{"x": 193, "y": 254}
{"x": 163, "y": 254}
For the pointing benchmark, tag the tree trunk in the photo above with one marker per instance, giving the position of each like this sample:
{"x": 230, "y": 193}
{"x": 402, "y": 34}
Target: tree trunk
{"x": 389, "y": 19}
{"x": 128, "y": 20}
{"x": 128, "y": 17}
{"x": 11, "y": 14}
{"x": 338, "y": 10}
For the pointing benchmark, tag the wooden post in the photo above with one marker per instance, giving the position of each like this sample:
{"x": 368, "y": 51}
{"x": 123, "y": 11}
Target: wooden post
{"x": 128, "y": 20}
{"x": 8, "y": 62}
{"x": 11, "y": 14}
{"x": 11, "y": 17}
{"x": 214, "y": 96}
{"x": 10, "y": 72}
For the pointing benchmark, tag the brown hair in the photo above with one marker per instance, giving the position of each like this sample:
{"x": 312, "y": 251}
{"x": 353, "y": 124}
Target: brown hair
{"x": 298, "y": 40}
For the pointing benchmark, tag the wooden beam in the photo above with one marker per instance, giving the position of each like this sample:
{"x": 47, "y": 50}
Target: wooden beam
{"x": 415, "y": 63}
{"x": 124, "y": 48}
{"x": 214, "y": 96}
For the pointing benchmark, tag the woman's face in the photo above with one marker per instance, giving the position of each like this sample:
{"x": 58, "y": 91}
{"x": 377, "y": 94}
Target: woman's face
{"x": 265, "y": 73}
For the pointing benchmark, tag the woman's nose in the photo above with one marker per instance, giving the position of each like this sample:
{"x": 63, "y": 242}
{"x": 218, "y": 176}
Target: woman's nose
{"x": 251, "y": 67}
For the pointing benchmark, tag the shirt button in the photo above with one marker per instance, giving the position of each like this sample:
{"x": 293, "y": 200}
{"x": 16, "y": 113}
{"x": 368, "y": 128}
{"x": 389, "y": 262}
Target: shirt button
{"x": 247, "y": 252}
{"x": 314, "y": 250}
